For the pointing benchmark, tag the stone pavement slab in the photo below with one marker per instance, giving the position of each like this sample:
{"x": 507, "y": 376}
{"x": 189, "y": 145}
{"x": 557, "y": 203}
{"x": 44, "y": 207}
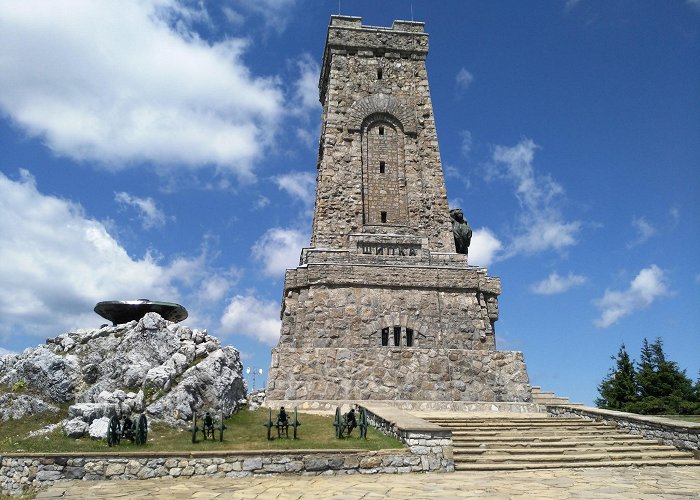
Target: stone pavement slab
{"x": 584, "y": 483}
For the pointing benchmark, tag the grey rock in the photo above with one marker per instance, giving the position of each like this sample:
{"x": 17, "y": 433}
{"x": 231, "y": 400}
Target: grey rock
{"x": 98, "y": 428}
{"x": 16, "y": 406}
{"x": 75, "y": 428}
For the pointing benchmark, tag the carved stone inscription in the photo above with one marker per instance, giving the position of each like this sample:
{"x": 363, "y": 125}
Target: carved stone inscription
{"x": 390, "y": 249}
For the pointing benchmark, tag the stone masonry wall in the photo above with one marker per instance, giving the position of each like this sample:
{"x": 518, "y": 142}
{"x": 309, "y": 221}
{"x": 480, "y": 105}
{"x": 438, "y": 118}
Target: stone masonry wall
{"x": 397, "y": 374}
{"x": 323, "y": 310}
{"x": 682, "y": 435}
{"x": 18, "y": 472}
{"x": 353, "y": 62}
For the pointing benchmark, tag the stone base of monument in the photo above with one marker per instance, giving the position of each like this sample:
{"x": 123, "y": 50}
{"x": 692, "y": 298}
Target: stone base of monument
{"x": 412, "y": 378}
{"x": 328, "y": 406}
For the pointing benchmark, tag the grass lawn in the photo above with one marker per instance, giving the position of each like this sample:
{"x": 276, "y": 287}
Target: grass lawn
{"x": 245, "y": 431}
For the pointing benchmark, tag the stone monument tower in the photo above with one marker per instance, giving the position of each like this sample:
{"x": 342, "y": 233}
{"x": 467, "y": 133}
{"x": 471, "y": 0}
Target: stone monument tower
{"x": 381, "y": 306}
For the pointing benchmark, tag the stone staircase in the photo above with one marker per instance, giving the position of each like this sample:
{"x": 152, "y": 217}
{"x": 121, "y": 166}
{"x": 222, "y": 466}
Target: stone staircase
{"x": 549, "y": 398}
{"x": 535, "y": 441}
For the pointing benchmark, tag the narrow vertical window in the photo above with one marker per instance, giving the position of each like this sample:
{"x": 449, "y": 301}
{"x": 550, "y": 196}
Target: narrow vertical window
{"x": 385, "y": 336}
{"x": 379, "y": 73}
{"x": 397, "y": 335}
{"x": 383, "y": 216}
{"x": 381, "y": 130}
{"x": 382, "y": 167}
{"x": 409, "y": 337}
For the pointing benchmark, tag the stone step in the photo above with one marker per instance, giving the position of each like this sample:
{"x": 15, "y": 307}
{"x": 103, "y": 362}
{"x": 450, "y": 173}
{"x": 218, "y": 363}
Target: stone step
{"x": 554, "y": 445}
{"x": 530, "y": 433}
{"x": 570, "y": 450}
{"x": 506, "y": 426}
{"x": 577, "y": 457}
{"x": 565, "y": 464}
{"x": 521, "y": 438}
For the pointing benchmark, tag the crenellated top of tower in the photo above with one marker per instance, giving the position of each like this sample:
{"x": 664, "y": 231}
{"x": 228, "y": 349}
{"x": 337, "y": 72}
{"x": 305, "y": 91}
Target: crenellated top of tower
{"x": 347, "y": 36}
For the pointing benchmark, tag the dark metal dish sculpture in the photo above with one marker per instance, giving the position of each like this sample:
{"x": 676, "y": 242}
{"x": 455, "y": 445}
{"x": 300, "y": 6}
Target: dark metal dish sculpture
{"x": 123, "y": 311}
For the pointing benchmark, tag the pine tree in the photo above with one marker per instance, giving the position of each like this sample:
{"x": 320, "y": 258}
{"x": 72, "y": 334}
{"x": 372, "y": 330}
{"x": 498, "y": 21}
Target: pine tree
{"x": 619, "y": 389}
{"x": 663, "y": 387}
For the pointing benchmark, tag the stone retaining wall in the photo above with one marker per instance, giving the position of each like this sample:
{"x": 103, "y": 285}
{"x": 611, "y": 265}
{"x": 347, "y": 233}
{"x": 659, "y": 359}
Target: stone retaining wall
{"x": 429, "y": 449}
{"x": 397, "y": 374}
{"x": 682, "y": 435}
{"x": 432, "y": 443}
{"x": 20, "y": 472}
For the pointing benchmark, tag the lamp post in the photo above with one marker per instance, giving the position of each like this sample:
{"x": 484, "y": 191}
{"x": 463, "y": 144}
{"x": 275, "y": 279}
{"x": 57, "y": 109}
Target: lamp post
{"x": 255, "y": 371}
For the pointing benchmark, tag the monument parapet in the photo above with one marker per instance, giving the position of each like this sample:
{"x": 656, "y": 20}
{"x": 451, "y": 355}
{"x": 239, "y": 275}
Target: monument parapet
{"x": 383, "y": 304}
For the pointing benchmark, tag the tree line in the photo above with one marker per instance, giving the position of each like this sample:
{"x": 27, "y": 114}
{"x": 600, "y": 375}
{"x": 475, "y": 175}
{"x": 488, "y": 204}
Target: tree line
{"x": 653, "y": 386}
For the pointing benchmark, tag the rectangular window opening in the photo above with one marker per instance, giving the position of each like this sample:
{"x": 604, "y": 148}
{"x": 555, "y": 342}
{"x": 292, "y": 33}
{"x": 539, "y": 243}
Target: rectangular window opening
{"x": 379, "y": 73}
{"x": 409, "y": 337}
{"x": 385, "y": 336}
{"x": 383, "y": 216}
{"x": 382, "y": 167}
{"x": 397, "y": 335}
{"x": 381, "y": 130}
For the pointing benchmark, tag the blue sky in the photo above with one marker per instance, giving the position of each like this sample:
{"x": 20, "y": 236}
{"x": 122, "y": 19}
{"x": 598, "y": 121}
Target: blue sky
{"x": 167, "y": 150}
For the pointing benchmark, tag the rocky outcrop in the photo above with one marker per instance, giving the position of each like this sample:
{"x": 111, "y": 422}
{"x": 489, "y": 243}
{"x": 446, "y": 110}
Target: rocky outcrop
{"x": 164, "y": 369}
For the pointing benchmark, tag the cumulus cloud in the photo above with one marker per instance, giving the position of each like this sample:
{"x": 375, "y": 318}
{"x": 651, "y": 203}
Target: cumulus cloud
{"x": 644, "y": 231}
{"x": 467, "y": 142}
{"x": 275, "y": 13}
{"x": 650, "y": 284}
{"x": 306, "y": 87}
{"x": 463, "y": 80}
{"x": 484, "y": 247}
{"x": 56, "y": 263}
{"x": 148, "y": 213}
{"x": 554, "y": 283}
{"x": 299, "y": 185}
{"x": 253, "y": 317}
{"x": 542, "y": 225}
{"x": 279, "y": 249}
{"x": 122, "y": 82}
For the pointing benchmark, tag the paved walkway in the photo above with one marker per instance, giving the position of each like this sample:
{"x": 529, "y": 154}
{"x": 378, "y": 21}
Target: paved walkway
{"x": 623, "y": 482}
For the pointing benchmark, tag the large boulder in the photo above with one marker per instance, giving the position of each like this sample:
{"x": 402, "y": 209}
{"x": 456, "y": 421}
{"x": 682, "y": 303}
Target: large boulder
{"x": 214, "y": 384}
{"x": 153, "y": 365}
{"x": 18, "y": 406}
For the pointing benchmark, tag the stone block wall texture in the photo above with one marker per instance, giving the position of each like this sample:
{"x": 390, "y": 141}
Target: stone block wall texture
{"x": 19, "y": 473}
{"x": 397, "y": 374}
{"x": 682, "y": 435}
{"x": 374, "y": 77}
{"x": 381, "y": 291}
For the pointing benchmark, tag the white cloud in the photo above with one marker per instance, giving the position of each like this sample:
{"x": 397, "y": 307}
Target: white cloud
{"x": 299, "y": 185}
{"x": 645, "y": 288}
{"x": 279, "y": 249}
{"x": 570, "y": 4}
{"x": 275, "y": 13}
{"x": 467, "y": 142}
{"x": 484, "y": 248}
{"x": 306, "y": 87}
{"x": 56, "y": 263}
{"x": 149, "y": 214}
{"x": 121, "y": 82}
{"x": 261, "y": 202}
{"x": 463, "y": 80}
{"x": 5, "y": 352}
{"x": 252, "y": 317}
{"x": 541, "y": 221}
{"x": 644, "y": 231}
{"x": 555, "y": 284}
